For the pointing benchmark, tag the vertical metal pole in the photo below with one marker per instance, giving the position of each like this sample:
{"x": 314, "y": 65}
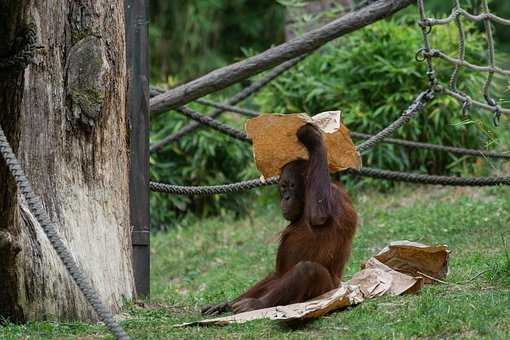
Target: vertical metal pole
{"x": 137, "y": 57}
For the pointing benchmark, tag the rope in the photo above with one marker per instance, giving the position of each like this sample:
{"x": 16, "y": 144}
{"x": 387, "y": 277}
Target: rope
{"x": 213, "y": 189}
{"x": 462, "y": 62}
{"x": 36, "y": 208}
{"x": 462, "y": 50}
{"x": 25, "y": 46}
{"x": 492, "y": 65}
{"x": 431, "y": 179}
{"x": 476, "y": 18}
{"x": 395, "y": 141}
{"x": 428, "y": 146}
{"x": 427, "y": 53}
{"x": 229, "y": 108}
{"x": 364, "y": 172}
{"x": 240, "y": 96}
{"x": 416, "y": 106}
{"x": 215, "y": 124}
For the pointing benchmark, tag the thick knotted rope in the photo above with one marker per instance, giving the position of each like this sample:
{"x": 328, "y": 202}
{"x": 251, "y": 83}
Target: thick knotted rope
{"x": 36, "y": 208}
{"x": 364, "y": 172}
{"x": 23, "y": 55}
{"x": 427, "y": 53}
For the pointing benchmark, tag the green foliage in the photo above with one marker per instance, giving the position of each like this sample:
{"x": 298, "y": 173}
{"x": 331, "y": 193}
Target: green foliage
{"x": 204, "y": 157}
{"x": 188, "y": 38}
{"x": 372, "y": 76}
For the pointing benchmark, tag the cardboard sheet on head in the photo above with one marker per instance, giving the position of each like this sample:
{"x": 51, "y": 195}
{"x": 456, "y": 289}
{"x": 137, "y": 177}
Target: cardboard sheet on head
{"x": 275, "y": 142}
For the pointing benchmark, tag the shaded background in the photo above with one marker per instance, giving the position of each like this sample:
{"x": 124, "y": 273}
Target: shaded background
{"x": 189, "y": 38}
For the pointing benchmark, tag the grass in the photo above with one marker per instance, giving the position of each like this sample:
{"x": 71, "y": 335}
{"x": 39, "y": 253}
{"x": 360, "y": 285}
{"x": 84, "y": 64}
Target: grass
{"x": 217, "y": 259}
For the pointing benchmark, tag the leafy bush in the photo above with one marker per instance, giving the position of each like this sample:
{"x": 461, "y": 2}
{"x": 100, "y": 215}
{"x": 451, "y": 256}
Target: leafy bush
{"x": 372, "y": 76}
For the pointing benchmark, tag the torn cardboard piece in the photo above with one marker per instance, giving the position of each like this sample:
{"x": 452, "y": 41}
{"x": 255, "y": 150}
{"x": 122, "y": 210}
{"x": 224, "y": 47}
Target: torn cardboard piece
{"x": 344, "y": 296}
{"x": 414, "y": 258}
{"x": 377, "y": 278}
{"x": 275, "y": 142}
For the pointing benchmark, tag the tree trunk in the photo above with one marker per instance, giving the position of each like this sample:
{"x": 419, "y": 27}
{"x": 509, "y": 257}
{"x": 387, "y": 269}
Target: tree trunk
{"x": 66, "y": 118}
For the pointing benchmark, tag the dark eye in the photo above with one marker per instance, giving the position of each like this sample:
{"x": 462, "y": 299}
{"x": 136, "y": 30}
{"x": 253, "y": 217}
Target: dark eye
{"x": 292, "y": 186}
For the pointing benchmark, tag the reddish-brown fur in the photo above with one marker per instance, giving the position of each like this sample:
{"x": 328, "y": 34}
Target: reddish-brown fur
{"x": 314, "y": 248}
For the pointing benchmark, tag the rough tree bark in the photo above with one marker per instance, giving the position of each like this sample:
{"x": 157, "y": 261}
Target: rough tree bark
{"x": 65, "y": 116}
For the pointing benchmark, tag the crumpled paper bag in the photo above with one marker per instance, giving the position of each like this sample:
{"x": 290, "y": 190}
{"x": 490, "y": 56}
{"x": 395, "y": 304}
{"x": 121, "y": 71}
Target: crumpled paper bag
{"x": 275, "y": 143}
{"x": 416, "y": 259}
{"x": 377, "y": 279}
{"x": 386, "y": 273}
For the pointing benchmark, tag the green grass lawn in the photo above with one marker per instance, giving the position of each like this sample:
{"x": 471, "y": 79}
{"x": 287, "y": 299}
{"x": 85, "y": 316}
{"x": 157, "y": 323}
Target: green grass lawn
{"x": 216, "y": 259}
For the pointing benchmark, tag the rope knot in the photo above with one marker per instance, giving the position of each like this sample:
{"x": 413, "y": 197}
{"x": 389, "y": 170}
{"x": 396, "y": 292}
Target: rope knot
{"x": 432, "y": 53}
{"x": 424, "y": 23}
{"x": 496, "y": 118}
{"x": 490, "y": 100}
{"x": 420, "y": 55}
{"x": 432, "y": 77}
{"x": 430, "y": 93}
{"x": 24, "y": 50}
{"x": 466, "y": 105}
